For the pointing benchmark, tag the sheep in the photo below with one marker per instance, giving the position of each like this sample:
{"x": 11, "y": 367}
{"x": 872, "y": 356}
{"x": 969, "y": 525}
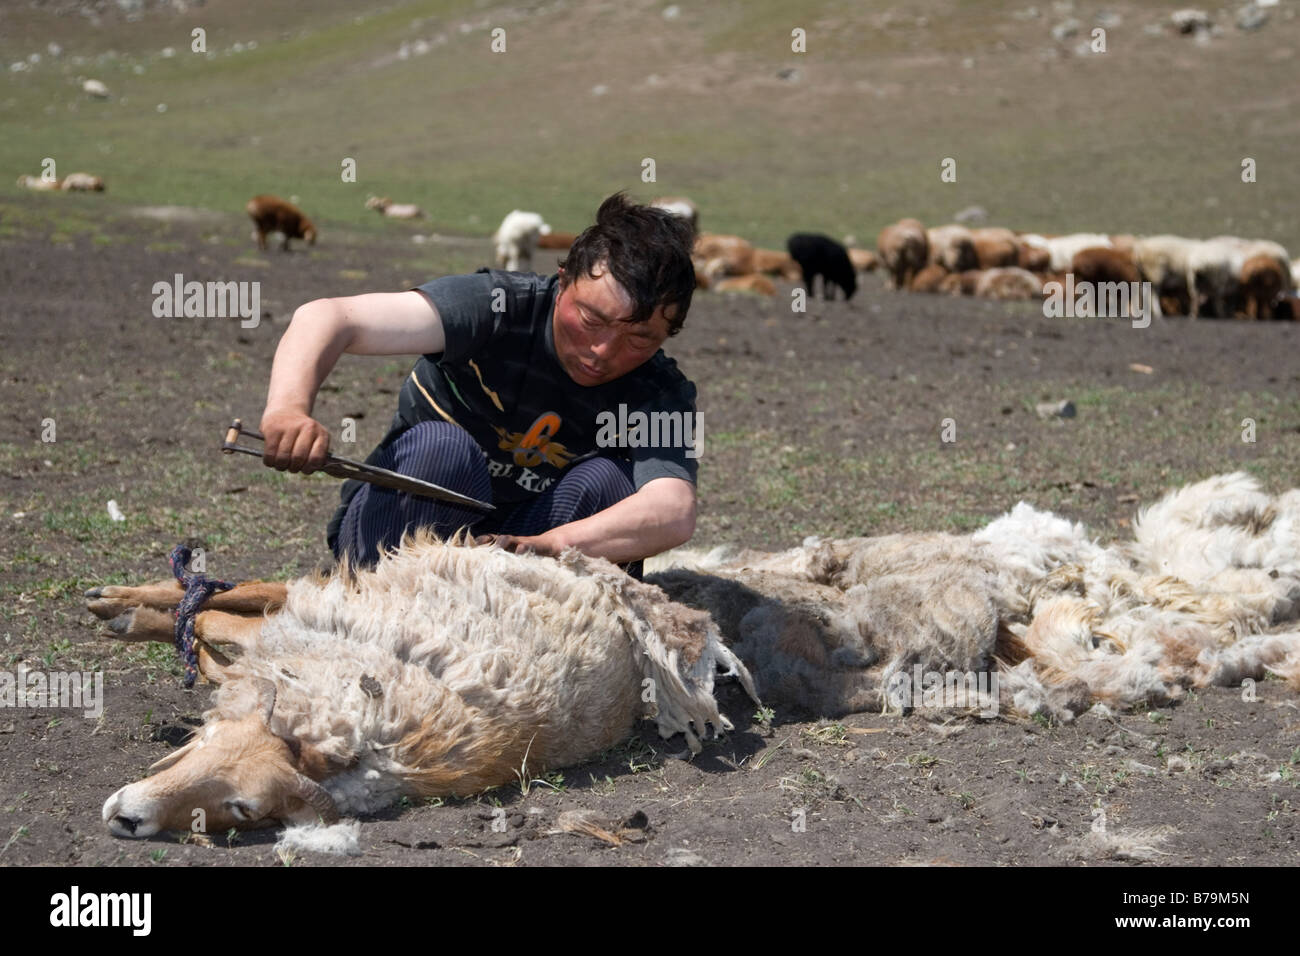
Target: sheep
{"x": 82, "y": 182}
{"x": 516, "y": 239}
{"x": 1032, "y": 258}
{"x": 929, "y": 279}
{"x": 95, "y": 88}
{"x": 1162, "y": 261}
{"x": 904, "y": 250}
{"x": 447, "y": 669}
{"x": 1262, "y": 279}
{"x": 556, "y": 240}
{"x": 273, "y": 214}
{"x": 37, "y": 183}
{"x": 1097, "y": 264}
{"x": 1287, "y": 306}
{"x": 723, "y": 255}
{"x": 960, "y": 283}
{"x": 864, "y": 260}
{"x": 755, "y": 282}
{"x": 392, "y": 210}
{"x": 775, "y": 263}
{"x": 1008, "y": 283}
{"x": 952, "y": 247}
{"x": 820, "y": 255}
{"x": 995, "y": 248}
{"x": 680, "y": 206}
{"x": 1062, "y": 249}
{"x": 1206, "y": 593}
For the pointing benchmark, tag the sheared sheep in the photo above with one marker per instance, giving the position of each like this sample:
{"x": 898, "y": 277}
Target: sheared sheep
{"x": 754, "y": 282}
{"x": 904, "y": 250}
{"x": 273, "y": 214}
{"x": 820, "y": 255}
{"x": 1207, "y": 593}
{"x": 445, "y": 670}
{"x": 516, "y": 239}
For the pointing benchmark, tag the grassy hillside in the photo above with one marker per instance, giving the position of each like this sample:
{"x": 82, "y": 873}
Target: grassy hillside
{"x": 1146, "y": 137}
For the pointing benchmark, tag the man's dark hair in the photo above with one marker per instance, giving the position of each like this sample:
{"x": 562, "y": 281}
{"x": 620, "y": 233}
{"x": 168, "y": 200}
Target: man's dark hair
{"x": 648, "y": 251}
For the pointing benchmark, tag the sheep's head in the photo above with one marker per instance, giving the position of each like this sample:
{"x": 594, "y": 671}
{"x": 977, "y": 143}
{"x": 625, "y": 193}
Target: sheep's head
{"x": 309, "y": 231}
{"x": 236, "y": 771}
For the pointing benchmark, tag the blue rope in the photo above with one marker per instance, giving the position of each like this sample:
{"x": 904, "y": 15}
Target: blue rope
{"x": 198, "y": 588}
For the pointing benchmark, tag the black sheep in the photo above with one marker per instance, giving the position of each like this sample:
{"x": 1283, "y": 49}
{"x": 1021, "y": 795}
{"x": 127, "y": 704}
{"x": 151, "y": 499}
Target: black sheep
{"x": 820, "y": 255}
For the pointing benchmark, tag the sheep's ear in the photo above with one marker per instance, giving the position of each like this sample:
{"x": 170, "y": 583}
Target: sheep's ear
{"x": 174, "y": 757}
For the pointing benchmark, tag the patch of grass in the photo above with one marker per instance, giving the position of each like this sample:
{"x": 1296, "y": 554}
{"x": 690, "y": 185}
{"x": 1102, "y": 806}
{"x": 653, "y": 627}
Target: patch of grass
{"x": 831, "y": 734}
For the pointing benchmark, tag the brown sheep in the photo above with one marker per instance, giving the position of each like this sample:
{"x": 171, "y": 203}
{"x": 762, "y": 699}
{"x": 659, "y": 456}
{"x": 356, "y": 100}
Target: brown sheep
{"x": 952, "y": 247}
{"x": 556, "y": 240}
{"x": 273, "y": 214}
{"x": 928, "y": 279}
{"x": 753, "y": 282}
{"x": 724, "y": 255}
{"x": 864, "y": 260}
{"x": 904, "y": 249}
{"x": 1099, "y": 264}
{"x": 776, "y": 263}
{"x": 995, "y": 248}
{"x": 1033, "y": 258}
{"x": 1262, "y": 280}
{"x": 961, "y": 283}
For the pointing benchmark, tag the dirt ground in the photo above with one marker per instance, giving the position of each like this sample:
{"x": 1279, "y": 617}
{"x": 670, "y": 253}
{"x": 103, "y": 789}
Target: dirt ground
{"x": 825, "y": 422}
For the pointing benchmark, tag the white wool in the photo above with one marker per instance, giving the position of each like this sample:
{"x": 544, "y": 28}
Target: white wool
{"x": 340, "y": 839}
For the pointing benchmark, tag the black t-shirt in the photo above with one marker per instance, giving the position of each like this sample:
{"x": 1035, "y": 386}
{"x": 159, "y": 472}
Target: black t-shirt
{"x": 499, "y": 379}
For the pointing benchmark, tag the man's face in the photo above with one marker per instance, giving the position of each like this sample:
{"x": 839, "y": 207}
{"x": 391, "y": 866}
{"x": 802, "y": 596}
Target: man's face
{"x": 593, "y": 341}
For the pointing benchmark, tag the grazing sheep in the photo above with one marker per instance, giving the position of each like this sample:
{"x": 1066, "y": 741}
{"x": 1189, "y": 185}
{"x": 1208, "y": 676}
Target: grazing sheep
{"x": 273, "y": 214}
{"x": 82, "y": 182}
{"x": 864, "y": 260}
{"x": 1062, "y": 249}
{"x": 1263, "y": 278}
{"x": 556, "y": 240}
{"x": 775, "y": 263}
{"x": 723, "y": 255}
{"x": 754, "y": 282}
{"x": 516, "y": 239}
{"x": 38, "y": 184}
{"x": 445, "y": 670}
{"x": 1162, "y": 261}
{"x": 995, "y": 248}
{"x": 929, "y": 279}
{"x": 680, "y": 206}
{"x": 1009, "y": 283}
{"x": 904, "y": 250}
{"x": 952, "y": 247}
{"x": 394, "y": 210}
{"x": 1207, "y": 593}
{"x": 820, "y": 255}
{"x": 1032, "y": 258}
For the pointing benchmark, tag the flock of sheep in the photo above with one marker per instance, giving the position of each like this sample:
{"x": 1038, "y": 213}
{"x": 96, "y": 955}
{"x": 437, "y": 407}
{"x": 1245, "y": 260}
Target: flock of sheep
{"x": 1222, "y": 277}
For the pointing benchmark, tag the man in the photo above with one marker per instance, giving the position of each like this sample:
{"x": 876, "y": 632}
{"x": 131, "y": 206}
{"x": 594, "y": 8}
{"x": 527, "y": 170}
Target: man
{"x": 517, "y": 374}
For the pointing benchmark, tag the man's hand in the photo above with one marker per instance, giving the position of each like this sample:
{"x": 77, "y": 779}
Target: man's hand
{"x": 522, "y": 544}
{"x": 294, "y": 441}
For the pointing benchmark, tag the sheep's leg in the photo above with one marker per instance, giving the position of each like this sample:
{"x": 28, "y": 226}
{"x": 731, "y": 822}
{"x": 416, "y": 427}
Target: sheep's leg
{"x": 261, "y": 239}
{"x": 248, "y": 597}
{"x": 212, "y": 627}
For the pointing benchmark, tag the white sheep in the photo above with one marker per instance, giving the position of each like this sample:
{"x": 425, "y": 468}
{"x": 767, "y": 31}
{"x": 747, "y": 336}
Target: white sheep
{"x": 95, "y": 88}
{"x": 516, "y": 239}
{"x": 445, "y": 670}
{"x": 393, "y": 210}
{"x": 1064, "y": 248}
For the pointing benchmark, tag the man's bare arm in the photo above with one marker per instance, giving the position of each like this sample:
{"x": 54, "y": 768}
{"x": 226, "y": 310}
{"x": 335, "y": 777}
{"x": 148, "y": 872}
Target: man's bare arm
{"x": 378, "y": 323}
{"x": 661, "y": 515}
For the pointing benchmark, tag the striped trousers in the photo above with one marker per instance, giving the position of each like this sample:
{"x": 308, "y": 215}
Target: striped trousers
{"x": 445, "y": 454}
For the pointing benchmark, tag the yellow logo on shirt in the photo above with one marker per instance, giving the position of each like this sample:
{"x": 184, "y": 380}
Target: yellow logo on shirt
{"x": 535, "y": 446}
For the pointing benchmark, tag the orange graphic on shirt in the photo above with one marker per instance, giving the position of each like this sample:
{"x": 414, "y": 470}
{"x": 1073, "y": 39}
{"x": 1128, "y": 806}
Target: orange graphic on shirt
{"x": 535, "y": 446}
